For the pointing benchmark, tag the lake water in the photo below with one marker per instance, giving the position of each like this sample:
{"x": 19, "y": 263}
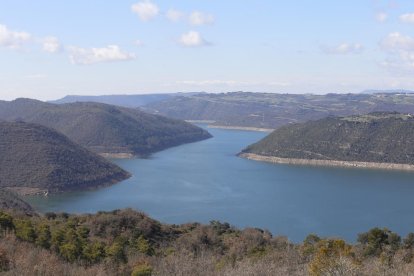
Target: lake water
{"x": 205, "y": 181}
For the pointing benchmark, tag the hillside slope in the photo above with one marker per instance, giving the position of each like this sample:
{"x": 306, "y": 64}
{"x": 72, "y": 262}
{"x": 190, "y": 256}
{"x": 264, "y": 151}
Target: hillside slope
{"x": 33, "y": 156}
{"x": 12, "y": 203}
{"x": 376, "y": 137}
{"x": 271, "y": 110}
{"x": 105, "y": 128}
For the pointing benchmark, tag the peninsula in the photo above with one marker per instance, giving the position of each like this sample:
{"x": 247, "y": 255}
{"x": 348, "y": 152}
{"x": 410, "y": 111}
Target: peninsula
{"x": 378, "y": 140}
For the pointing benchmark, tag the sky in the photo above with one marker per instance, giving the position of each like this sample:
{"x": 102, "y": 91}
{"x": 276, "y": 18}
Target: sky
{"x": 49, "y": 49}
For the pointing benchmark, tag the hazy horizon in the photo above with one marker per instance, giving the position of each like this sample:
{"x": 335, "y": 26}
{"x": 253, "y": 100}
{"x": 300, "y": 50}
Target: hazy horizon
{"x": 52, "y": 49}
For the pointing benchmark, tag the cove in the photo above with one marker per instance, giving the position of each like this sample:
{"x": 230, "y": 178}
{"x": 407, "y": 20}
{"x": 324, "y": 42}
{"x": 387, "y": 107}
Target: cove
{"x": 206, "y": 181}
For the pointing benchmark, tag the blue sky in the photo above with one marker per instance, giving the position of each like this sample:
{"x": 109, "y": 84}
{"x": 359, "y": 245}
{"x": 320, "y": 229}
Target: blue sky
{"x": 49, "y": 49}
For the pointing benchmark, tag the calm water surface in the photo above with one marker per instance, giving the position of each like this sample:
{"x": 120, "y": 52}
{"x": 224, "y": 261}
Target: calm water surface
{"x": 205, "y": 181}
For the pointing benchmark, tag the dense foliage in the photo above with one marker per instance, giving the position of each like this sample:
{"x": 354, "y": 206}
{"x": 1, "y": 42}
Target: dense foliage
{"x": 271, "y": 110}
{"x": 105, "y": 128}
{"x": 38, "y": 157}
{"x": 376, "y": 137}
{"x": 126, "y": 242}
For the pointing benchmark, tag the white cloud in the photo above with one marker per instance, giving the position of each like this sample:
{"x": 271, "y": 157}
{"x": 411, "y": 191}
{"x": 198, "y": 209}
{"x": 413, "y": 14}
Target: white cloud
{"x": 111, "y": 53}
{"x": 198, "y": 18}
{"x": 192, "y": 39}
{"x": 381, "y": 16}
{"x": 344, "y": 49}
{"x": 146, "y": 10}
{"x": 12, "y": 39}
{"x": 407, "y": 18}
{"x": 51, "y": 44}
{"x": 400, "y": 49}
{"x": 396, "y": 42}
{"x": 174, "y": 15}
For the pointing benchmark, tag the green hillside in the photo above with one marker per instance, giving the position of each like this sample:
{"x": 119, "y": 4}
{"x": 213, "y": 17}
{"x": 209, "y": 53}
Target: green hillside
{"x": 376, "y": 137}
{"x": 105, "y": 128}
{"x": 33, "y": 156}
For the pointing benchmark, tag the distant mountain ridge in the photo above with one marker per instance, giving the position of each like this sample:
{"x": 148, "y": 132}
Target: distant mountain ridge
{"x": 36, "y": 157}
{"x": 132, "y": 101}
{"x": 105, "y": 129}
{"x": 376, "y": 137}
{"x": 271, "y": 110}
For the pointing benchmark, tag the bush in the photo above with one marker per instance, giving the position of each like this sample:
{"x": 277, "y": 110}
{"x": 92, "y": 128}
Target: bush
{"x": 332, "y": 257}
{"x": 43, "y": 236}
{"x": 409, "y": 241}
{"x": 25, "y": 230}
{"x": 144, "y": 246}
{"x": 6, "y": 222}
{"x": 309, "y": 244}
{"x": 142, "y": 270}
{"x": 376, "y": 240}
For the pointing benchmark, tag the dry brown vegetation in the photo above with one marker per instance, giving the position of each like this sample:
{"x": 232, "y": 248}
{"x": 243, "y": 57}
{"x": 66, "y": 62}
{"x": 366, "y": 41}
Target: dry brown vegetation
{"x": 126, "y": 242}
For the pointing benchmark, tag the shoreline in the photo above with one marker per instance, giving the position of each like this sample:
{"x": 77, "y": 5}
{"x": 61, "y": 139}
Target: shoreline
{"x": 327, "y": 163}
{"x": 121, "y": 155}
{"x": 200, "y": 121}
{"x": 27, "y": 191}
{"x": 242, "y": 128}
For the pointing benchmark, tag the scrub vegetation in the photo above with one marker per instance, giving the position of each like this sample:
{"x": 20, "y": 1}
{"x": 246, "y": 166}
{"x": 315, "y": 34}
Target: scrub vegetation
{"x": 127, "y": 242}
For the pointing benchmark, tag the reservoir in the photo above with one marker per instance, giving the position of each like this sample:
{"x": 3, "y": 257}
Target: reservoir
{"x": 206, "y": 181}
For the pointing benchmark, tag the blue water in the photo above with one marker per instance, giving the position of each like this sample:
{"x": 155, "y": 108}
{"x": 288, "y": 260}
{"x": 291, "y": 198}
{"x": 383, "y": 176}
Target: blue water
{"x": 205, "y": 181}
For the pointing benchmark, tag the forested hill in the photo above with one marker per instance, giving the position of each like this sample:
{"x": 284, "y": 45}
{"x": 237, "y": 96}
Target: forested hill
{"x": 376, "y": 137}
{"x": 33, "y": 156}
{"x": 271, "y": 110}
{"x": 105, "y": 128}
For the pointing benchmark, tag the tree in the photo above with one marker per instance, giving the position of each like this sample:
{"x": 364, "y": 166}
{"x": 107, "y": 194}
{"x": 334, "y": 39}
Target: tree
{"x": 332, "y": 257}
{"x": 58, "y": 237}
{"x": 25, "y": 230}
{"x": 116, "y": 252}
{"x": 143, "y": 246}
{"x": 409, "y": 241}
{"x": 94, "y": 252}
{"x": 6, "y": 222}
{"x": 69, "y": 251}
{"x": 376, "y": 240}
{"x": 43, "y": 236}
{"x": 309, "y": 244}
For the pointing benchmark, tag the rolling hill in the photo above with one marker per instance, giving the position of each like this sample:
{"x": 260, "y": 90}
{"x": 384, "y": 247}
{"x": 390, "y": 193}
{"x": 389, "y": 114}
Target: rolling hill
{"x": 375, "y": 138}
{"x": 103, "y": 128}
{"x": 271, "y": 110}
{"x": 36, "y": 158}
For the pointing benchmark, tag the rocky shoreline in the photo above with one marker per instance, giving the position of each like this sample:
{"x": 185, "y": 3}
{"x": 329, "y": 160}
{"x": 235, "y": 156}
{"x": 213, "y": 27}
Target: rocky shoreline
{"x": 327, "y": 163}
